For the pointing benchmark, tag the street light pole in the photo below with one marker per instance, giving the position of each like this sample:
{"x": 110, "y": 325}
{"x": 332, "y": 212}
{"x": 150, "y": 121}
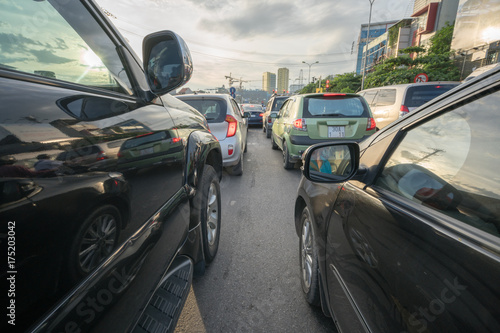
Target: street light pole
{"x": 309, "y": 79}
{"x": 367, "y": 42}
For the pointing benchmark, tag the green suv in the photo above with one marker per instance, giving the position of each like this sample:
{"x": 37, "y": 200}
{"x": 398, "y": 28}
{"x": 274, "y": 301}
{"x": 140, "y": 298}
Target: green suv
{"x": 304, "y": 120}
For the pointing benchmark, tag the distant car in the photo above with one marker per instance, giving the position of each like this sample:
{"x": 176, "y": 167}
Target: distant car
{"x": 389, "y": 103}
{"x": 306, "y": 119}
{"x": 95, "y": 157}
{"x": 255, "y": 113}
{"x": 272, "y": 107}
{"x": 227, "y": 123}
{"x": 401, "y": 232}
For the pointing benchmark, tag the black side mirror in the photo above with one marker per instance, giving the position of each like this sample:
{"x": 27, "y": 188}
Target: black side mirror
{"x": 246, "y": 114}
{"x": 167, "y": 61}
{"x": 331, "y": 163}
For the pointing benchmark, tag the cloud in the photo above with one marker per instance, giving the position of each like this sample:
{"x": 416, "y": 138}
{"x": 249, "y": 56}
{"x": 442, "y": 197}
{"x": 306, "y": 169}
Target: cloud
{"x": 48, "y": 57}
{"x": 24, "y": 47}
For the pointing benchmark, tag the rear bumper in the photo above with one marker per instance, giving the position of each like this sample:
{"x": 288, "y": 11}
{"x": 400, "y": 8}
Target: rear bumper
{"x": 304, "y": 140}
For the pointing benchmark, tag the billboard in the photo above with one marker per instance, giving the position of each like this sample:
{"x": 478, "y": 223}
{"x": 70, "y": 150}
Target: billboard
{"x": 477, "y": 24}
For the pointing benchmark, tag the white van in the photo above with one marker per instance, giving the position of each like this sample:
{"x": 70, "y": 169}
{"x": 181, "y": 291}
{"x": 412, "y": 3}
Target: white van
{"x": 389, "y": 103}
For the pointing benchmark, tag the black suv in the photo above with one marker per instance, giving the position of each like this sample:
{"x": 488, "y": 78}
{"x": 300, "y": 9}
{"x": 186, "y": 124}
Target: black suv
{"x": 88, "y": 241}
{"x": 401, "y": 232}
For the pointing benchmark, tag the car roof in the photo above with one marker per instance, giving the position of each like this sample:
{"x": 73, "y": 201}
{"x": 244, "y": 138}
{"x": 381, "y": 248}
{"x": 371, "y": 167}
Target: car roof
{"x": 225, "y": 96}
{"x": 404, "y": 85}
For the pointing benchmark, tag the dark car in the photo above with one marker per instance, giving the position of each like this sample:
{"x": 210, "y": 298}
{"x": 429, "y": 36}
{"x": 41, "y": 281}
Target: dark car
{"x": 401, "y": 232}
{"x": 255, "y": 113}
{"x": 85, "y": 245}
{"x": 272, "y": 107}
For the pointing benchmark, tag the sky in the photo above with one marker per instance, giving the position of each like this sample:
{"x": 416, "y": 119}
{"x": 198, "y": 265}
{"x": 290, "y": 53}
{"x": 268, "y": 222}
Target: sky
{"x": 245, "y": 38}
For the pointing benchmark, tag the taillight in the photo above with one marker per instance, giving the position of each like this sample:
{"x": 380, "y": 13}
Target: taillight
{"x": 300, "y": 124}
{"x": 230, "y": 150}
{"x": 231, "y": 126}
{"x": 403, "y": 111}
{"x": 101, "y": 156}
{"x": 260, "y": 115}
{"x": 175, "y": 140}
{"x": 269, "y": 119}
{"x": 371, "y": 124}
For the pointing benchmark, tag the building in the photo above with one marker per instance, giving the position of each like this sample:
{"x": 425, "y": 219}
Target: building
{"x": 376, "y": 29}
{"x": 283, "y": 77}
{"x": 430, "y": 16}
{"x": 269, "y": 82}
{"x": 476, "y": 37}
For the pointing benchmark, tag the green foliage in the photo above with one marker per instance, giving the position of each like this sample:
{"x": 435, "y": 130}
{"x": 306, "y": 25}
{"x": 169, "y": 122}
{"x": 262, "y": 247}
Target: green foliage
{"x": 343, "y": 82}
{"x": 436, "y": 63}
{"x": 441, "y": 41}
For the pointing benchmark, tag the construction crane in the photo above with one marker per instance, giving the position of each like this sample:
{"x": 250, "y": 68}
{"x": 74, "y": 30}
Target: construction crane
{"x": 231, "y": 80}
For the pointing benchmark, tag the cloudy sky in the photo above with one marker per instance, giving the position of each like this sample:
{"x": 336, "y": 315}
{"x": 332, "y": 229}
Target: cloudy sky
{"x": 245, "y": 38}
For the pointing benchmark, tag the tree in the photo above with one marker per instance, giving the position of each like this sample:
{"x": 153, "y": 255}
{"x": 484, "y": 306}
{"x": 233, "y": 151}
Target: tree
{"x": 435, "y": 62}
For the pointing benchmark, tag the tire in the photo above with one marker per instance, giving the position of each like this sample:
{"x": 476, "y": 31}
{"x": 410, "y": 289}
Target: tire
{"x": 207, "y": 210}
{"x": 273, "y": 144}
{"x": 309, "y": 271}
{"x": 246, "y": 145}
{"x": 268, "y": 133}
{"x": 237, "y": 170}
{"x": 94, "y": 241}
{"x": 286, "y": 158}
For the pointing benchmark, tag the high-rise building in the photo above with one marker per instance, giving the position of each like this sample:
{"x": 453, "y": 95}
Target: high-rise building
{"x": 283, "y": 74}
{"x": 268, "y": 82}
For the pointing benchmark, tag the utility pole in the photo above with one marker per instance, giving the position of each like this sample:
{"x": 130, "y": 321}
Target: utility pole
{"x": 367, "y": 42}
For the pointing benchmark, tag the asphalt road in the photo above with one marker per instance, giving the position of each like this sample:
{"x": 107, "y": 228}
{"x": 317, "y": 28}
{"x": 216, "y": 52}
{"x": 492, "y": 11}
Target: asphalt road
{"x": 253, "y": 284}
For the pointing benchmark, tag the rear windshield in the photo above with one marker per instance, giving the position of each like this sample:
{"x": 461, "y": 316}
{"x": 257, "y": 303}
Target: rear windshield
{"x": 419, "y": 95}
{"x": 251, "y": 107}
{"x": 334, "y": 106}
{"x": 214, "y": 109}
{"x": 277, "y": 103}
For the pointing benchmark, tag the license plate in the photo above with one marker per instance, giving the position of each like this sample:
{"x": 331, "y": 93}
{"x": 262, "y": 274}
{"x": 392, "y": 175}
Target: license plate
{"x": 336, "y": 131}
{"x": 147, "y": 151}
{"x": 254, "y": 115}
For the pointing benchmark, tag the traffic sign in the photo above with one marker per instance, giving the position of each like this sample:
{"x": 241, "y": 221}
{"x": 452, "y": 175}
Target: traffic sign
{"x": 422, "y": 77}
{"x": 232, "y": 90}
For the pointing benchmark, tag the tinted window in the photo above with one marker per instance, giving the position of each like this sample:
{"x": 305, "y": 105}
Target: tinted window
{"x": 386, "y": 97}
{"x": 49, "y": 46}
{"x": 214, "y": 109}
{"x": 334, "y": 106}
{"x": 277, "y": 103}
{"x": 419, "y": 95}
{"x": 449, "y": 164}
{"x": 251, "y": 107}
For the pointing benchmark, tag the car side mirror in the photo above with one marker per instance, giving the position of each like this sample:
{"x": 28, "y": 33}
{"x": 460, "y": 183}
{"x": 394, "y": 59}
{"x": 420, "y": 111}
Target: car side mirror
{"x": 331, "y": 163}
{"x": 246, "y": 114}
{"x": 167, "y": 61}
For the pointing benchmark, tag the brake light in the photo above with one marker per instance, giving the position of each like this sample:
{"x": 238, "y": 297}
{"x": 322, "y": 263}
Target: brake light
{"x": 175, "y": 140}
{"x": 371, "y": 124}
{"x": 101, "y": 156}
{"x": 331, "y": 95}
{"x": 260, "y": 115}
{"x": 232, "y": 126}
{"x": 403, "y": 111}
{"x": 269, "y": 119}
{"x": 300, "y": 124}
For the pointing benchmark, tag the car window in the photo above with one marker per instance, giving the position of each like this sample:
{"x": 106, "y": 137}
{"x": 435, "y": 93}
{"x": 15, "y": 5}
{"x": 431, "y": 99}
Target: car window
{"x": 214, "y": 109}
{"x": 236, "y": 110}
{"x": 369, "y": 96}
{"x": 419, "y": 95}
{"x": 277, "y": 103}
{"x": 286, "y": 107}
{"x": 79, "y": 53}
{"x": 449, "y": 164}
{"x": 334, "y": 106}
{"x": 385, "y": 97}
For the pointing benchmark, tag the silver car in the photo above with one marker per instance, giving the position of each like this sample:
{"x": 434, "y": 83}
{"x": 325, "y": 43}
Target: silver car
{"x": 227, "y": 123}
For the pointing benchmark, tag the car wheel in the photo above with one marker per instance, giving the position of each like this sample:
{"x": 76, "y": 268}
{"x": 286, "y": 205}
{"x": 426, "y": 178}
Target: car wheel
{"x": 95, "y": 240}
{"x": 237, "y": 170}
{"x": 268, "y": 133}
{"x": 273, "y": 144}
{"x": 286, "y": 157}
{"x": 207, "y": 204}
{"x": 309, "y": 272}
{"x": 246, "y": 145}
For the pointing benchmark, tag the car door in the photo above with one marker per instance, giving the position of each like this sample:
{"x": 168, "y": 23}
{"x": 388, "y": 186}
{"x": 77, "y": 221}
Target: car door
{"x": 416, "y": 246}
{"x": 91, "y": 90}
{"x": 279, "y": 125}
